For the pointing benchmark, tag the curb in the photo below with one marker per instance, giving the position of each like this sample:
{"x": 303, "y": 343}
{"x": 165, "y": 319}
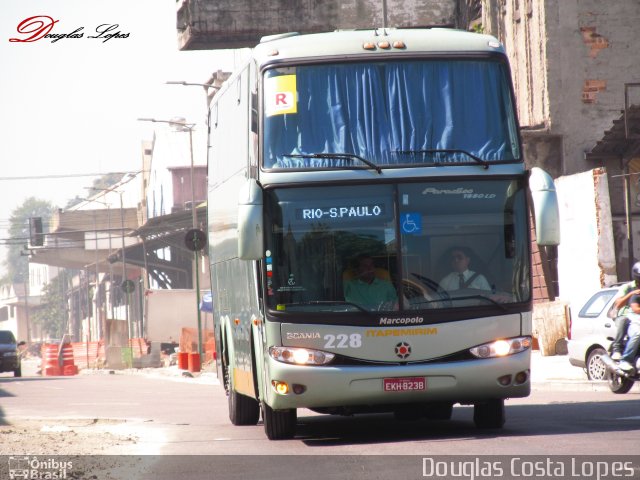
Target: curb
{"x": 570, "y": 386}
{"x": 167, "y": 373}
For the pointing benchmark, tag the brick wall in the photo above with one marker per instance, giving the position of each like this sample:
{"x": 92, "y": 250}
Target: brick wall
{"x": 591, "y": 89}
{"x": 593, "y": 40}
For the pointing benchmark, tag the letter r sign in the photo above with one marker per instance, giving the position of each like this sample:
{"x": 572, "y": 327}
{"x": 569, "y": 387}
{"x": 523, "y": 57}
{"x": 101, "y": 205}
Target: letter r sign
{"x": 284, "y": 100}
{"x": 280, "y": 95}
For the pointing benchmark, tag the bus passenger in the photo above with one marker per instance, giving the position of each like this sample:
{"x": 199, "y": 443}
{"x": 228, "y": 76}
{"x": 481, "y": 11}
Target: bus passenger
{"x": 461, "y": 277}
{"x": 369, "y": 291}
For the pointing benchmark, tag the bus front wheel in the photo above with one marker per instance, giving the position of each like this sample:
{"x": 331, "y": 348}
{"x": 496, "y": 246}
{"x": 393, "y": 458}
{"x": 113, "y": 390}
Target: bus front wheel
{"x": 489, "y": 414}
{"x": 279, "y": 424}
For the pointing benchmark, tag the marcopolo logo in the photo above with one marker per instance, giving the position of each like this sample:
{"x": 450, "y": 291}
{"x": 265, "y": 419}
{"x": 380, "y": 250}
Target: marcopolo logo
{"x": 36, "y": 468}
{"x": 401, "y": 321}
{"x": 39, "y": 27}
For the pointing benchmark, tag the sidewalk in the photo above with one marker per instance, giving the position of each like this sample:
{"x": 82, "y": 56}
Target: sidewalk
{"x": 556, "y": 373}
{"x": 172, "y": 373}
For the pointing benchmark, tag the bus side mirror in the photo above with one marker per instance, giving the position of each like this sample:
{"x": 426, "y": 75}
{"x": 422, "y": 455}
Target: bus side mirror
{"x": 250, "y": 224}
{"x": 545, "y": 207}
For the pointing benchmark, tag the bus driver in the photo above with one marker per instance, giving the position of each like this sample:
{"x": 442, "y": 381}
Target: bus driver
{"x": 461, "y": 277}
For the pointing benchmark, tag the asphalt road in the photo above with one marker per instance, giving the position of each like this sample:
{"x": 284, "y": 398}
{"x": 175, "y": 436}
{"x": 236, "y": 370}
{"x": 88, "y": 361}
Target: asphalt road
{"x": 184, "y": 416}
{"x": 126, "y": 414}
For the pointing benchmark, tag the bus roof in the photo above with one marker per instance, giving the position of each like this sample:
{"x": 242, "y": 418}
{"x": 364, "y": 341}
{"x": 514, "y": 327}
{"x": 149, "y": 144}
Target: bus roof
{"x": 352, "y": 42}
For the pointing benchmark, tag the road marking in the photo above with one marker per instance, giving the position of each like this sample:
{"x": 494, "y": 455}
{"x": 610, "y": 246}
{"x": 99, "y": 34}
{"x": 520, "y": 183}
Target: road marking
{"x": 637, "y": 417}
{"x": 101, "y": 404}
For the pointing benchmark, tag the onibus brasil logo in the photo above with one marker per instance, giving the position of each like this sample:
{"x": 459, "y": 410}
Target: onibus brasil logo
{"x": 28, "y": 467}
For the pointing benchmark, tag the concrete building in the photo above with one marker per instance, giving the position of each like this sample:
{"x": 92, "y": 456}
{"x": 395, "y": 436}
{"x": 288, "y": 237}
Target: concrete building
{"x": 575, "y": 75}
{"x": 573, "y": 64}
{"x": 15, "y": 307}
{"x": 576, "y": 82}
{"x": 19, "y": 301}
{"x": 209, "y": 24}
{"x": 85, "y": 240}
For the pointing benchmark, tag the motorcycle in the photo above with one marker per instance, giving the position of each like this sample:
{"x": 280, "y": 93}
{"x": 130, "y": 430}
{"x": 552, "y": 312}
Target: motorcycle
{"x": 620, "y": 381}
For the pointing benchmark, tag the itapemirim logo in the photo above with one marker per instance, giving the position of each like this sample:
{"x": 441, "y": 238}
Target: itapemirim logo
{"x": 32, "y": 467}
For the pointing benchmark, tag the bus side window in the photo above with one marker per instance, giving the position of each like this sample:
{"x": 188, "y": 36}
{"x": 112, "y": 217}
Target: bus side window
{"x": 254, "y": 112}
{"x": 214, "y": 115}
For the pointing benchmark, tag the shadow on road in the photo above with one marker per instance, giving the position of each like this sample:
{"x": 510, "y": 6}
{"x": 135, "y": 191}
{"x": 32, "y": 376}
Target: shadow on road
{"x": 522, "y": 420}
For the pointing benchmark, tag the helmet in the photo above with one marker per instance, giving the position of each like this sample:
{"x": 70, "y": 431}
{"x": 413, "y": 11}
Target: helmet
{"x": 635, "y": 271}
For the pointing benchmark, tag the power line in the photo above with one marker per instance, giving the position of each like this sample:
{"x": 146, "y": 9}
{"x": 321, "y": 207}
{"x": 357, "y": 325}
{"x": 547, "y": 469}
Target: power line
{"x": 67, "y": 175}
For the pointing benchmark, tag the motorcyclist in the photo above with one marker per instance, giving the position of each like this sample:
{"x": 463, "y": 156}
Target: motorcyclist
{"x": 622, "y": 305}
{"x": 633, "y": 334}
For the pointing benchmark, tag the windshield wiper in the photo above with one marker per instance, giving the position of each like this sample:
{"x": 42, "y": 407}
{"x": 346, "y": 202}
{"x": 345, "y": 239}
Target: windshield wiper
{"x": 328, "y": 303}
{"x": 484, "y": 163}
{"x": 469, "y": 297}
{"x": 341, "y": 156}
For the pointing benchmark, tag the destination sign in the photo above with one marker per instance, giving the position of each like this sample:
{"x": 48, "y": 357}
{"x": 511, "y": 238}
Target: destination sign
{"x": 351, "y": 212}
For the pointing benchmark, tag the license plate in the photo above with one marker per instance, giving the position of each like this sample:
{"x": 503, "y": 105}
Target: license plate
{"x": 404, "y": 384}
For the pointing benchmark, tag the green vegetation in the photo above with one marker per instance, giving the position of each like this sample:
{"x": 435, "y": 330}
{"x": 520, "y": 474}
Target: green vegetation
{"x": 16, "y": 264}
{"x": 52, "y": 313}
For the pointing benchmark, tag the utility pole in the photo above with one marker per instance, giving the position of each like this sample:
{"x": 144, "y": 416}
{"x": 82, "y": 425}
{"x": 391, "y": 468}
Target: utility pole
{"x": 188, "y": 127}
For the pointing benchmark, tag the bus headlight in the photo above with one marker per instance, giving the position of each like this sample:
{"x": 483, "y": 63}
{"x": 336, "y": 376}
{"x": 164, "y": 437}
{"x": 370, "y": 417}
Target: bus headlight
{"x": 300, "y": 356}
{"x": 502, "y": 347}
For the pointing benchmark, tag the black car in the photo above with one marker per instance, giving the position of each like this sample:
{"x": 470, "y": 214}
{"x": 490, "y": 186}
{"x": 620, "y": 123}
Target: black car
{"x": 9, "y": 358}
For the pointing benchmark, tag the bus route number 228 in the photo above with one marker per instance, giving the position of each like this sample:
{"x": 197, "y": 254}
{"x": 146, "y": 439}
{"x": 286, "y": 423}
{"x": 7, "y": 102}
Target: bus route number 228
{"x": 343, "y": 340}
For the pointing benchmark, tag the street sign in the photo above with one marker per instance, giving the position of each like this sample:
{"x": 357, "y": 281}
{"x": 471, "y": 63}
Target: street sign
{"x": 36, "y": 234}
{"x": 195, "y": 239}
{"x": 128, "y": 286}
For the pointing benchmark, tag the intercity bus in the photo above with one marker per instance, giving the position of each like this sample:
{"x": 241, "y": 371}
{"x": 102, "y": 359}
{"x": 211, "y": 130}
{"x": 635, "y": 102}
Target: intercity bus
{"x": 395, "y": 148}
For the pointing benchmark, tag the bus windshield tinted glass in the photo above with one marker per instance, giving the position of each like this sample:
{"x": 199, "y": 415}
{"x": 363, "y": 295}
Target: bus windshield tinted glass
{"x": 419, "y": 246}
{"x": 389, "y": 113}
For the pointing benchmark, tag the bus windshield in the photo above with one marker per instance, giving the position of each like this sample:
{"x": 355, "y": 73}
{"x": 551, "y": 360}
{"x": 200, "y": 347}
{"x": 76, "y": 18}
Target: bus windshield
{"x": 400, "y": 113}
{"x": 397, "y": 247}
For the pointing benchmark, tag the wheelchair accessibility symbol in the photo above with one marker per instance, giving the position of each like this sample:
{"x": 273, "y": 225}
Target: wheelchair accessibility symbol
{"x": 411, "y": 223}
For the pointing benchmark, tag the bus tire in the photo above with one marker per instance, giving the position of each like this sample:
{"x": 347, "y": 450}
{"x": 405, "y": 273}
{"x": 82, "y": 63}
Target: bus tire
{"x": 279, "y": 424}
{"x": 489, "y": 414}
{"x": 243, "y": 410}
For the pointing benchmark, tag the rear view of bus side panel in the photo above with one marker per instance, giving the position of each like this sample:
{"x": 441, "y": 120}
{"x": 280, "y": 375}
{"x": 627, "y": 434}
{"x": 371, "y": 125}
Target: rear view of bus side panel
{"x": 237, "y": 307}
{"x": 233, "y": 286}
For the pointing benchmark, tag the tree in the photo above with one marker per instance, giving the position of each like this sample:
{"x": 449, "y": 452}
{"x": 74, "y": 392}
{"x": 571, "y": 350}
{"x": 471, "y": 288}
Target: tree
{"x": 16, "y": 264}
{"x": 52, "y": 314}
{"x": 101, "y": 183}
{"x": 106, "y": 181}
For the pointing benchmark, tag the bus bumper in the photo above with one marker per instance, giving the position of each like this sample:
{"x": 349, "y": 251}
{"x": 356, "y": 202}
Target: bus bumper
{"x": 466, "y": 381}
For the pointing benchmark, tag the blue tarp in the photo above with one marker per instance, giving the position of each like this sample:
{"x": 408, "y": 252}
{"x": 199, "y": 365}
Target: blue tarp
{"x": 206, "y": 302}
